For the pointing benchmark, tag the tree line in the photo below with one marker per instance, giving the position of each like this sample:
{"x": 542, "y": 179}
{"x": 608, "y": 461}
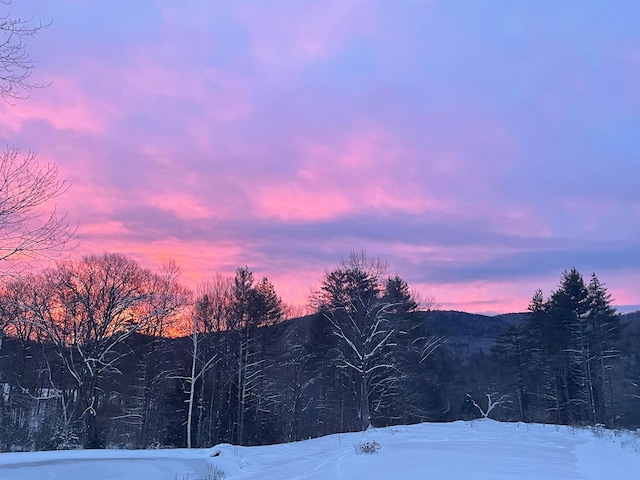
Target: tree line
{"x": 87, "y": 359}
{"x": 562, "y": 358}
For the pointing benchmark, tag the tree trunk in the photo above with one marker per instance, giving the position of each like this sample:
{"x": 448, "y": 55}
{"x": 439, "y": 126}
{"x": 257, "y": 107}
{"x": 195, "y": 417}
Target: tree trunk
{"x": 192, "y": 386}
{"x": 365, "y": 415}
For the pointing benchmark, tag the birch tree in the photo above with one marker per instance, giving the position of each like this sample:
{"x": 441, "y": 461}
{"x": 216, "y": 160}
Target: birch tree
{"x": 164, "y": 308}
{"x": 494, "y": 400}
{"x": 213, "y": 307}
{"x": 199, "y": 365}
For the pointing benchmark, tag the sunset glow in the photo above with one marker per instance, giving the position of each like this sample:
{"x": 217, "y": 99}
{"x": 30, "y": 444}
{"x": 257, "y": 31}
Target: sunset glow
{"x": 480, "y": 147}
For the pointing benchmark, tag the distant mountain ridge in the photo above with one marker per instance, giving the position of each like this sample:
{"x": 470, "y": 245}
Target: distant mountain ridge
{"x": 468, "y": 333}
{"x": 471, "y": 333}
{"x": 465, "y": 333}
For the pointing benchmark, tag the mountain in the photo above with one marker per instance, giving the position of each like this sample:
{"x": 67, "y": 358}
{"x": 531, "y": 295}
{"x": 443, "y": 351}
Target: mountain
{"x": 467, "y": 333}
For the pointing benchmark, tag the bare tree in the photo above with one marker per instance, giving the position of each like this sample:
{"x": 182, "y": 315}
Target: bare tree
{"x": 207, "y": 317}
{"x": 165, "y": 310}
{"x": 30, "y": 227}
{"x": 213, "y": 306}
{"x": 199, "y": 367}
{"x": 88, "y": 309}
{"x": 494, "y": 400}
{"x": 168, "y": 300}
{"x": 16, "y": 66}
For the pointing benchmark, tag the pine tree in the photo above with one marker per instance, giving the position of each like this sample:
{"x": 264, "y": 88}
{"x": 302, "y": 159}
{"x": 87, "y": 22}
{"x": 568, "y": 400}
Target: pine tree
{"x": 252, "y": 306}
{"x": 397, "y": 293}
{"x": 603, "y": 332}
{"x": 570, "y": 338}
{"x": 510, "y": 348}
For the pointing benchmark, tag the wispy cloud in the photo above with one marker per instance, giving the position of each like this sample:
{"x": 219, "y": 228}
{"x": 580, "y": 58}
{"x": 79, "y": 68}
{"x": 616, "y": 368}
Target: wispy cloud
{"x": 480, "y": 150}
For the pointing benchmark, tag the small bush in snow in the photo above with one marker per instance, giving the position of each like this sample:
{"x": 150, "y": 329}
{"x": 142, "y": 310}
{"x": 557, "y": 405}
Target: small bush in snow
{"x": 598, "y": 430}
{"x": 368, "y": 447}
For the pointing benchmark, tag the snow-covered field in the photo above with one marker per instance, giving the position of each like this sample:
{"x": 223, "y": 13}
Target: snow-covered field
{"x": 482, "y": 449}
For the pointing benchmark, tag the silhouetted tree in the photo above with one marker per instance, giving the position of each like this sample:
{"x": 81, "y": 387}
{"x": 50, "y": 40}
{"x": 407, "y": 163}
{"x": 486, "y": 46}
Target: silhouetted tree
{"x": 569, "y": 338}
{"x": 361, "y": 311}
{"x": 30, "y": 228}
{"x": 88, "y": 309}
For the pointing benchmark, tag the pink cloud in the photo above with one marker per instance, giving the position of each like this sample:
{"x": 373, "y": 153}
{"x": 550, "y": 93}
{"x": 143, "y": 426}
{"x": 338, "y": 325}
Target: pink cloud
{"x": 294, "y": 203}
{"x": 103, "y": 230}
{"x": 332, "y": 180}
{"x": 181, "y": 204}
{"x": 198, "y": 260}
{"x": 175, "y": 129}
{"x": 221, "y": 95}
{"x": 64, "y": 107}
{"x": 86, "y": 200}
{"x": 368, "y": 168}
{"x": 286, "y": 36}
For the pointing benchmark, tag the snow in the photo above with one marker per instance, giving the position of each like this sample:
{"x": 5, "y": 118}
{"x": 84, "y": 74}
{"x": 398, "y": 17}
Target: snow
{"x": 482, "y": 449}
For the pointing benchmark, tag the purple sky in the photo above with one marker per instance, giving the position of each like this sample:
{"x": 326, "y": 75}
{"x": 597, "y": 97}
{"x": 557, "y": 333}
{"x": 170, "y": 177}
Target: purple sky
{"x": 481, "y": 147}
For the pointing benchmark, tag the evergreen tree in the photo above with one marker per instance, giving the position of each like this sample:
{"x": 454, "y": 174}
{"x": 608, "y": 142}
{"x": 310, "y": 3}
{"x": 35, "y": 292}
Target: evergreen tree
{"x": 397, "y": 293}
{"x": 603, "y": 332}
{"x": 252, "y": 306}
{"x": 569, "y": 341}
{"x": 267, "y": 307}
{"x": 511, "y": 349}
{"x": 568, "y": 307}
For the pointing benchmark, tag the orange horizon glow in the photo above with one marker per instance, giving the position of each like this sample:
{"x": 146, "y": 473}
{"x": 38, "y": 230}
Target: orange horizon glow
{"x": 296, "y": 286}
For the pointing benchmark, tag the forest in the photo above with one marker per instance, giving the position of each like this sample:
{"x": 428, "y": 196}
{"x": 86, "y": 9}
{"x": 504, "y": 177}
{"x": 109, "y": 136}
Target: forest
{"x": 101, "y": 352}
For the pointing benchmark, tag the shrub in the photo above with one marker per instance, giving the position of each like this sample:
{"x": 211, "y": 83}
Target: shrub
{"x": 368, "y": 447}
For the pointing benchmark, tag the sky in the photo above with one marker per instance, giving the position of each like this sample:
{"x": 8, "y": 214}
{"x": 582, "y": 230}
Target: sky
{"x": 480, "y": 147}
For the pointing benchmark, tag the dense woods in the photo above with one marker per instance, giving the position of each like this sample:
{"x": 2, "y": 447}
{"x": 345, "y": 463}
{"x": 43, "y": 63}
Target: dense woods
{"x": 102, "y": 352}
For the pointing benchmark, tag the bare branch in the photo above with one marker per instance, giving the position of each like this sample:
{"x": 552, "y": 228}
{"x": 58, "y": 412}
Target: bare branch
{"x": 16, "y": 67}
{"x": 492, "y": 403}
{"x": 30, "y": 226}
